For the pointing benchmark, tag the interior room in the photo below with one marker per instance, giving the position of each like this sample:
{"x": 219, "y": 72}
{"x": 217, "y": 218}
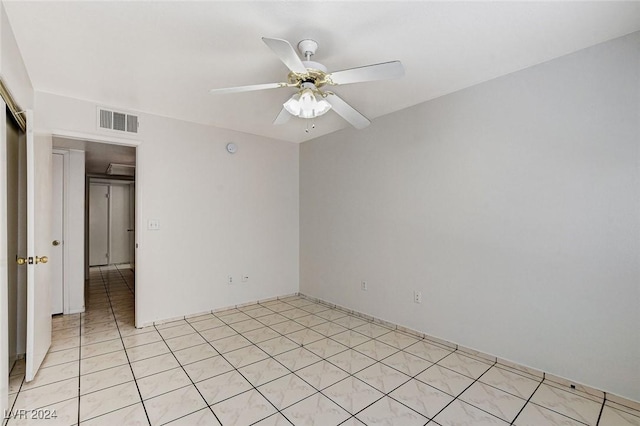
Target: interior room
{"x": 330, "y": 213}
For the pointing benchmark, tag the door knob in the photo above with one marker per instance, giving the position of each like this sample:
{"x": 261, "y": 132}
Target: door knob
{"x": 43, "y": 259}
{"x": 21, "y": 260}
{"x": 56, "y": 242}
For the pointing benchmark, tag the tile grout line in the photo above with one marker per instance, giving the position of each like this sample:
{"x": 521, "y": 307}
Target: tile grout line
{"x": 349, "y": 374}
{"x": 414, "y": 377}
{"x": 557, "y": 412}
{"x": 376, "y": 362}
{"x": 125, "y": 350}
{"x": 272, "y": 357}
{"x": 6, "y": 421}
{"x": 528, "y": 400}
{"x": 456, "y": 397}
{"x": 237, "y": 370}
{"x": 604, "y": 400}
{"x": 189, "y": 377}
{"x": 125, "y": 281}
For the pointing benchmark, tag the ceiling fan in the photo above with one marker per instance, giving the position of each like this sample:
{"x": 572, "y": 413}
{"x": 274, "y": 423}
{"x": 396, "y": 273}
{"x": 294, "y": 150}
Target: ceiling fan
{"x": 309, "y": 77}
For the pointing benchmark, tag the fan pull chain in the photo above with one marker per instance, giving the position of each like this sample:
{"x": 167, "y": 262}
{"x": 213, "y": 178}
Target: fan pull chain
{"x": 313, "y": 126}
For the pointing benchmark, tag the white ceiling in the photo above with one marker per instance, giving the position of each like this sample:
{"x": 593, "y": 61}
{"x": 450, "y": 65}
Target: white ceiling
{"x": 163, "y": 57}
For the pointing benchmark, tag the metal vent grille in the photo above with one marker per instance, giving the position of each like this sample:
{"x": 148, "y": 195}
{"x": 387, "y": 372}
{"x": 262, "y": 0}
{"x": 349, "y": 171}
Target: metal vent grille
{"x": 132, "y": 123}
{"x": 119, "y": 121}
{"x": 106, "y": 119}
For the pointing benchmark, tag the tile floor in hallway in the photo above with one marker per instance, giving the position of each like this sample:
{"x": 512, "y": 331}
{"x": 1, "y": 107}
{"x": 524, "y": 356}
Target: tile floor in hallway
{"x": 290, "y": 361}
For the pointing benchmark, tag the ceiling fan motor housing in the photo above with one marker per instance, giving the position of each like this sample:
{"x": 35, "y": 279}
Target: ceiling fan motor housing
{"x": 316, "y": 74}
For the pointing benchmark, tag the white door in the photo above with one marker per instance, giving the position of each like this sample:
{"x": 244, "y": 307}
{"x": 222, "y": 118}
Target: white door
{"x": 39, "y": 178}
{"x": 98, "y": 224}
{"x": 119, "y": 224}
{"x": 57, "y": 254}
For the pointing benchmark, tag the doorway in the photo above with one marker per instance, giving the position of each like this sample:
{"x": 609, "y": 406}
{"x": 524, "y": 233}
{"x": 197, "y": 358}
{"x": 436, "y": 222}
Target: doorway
{"x": 97, "y": 230}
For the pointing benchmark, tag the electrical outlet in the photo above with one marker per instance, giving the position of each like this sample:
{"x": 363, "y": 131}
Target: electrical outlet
{"x": 245, "y": 278}
{"x": 417, "y": 297}
{"x": 229, "y": 279}
{"x": 364, "y": 286}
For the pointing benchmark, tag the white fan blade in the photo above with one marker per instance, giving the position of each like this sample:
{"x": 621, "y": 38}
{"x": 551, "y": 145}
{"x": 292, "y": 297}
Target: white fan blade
{"x": 248, "y": 88}
{"x": 383, "y": 71}
{"x": 283, "y": 117}
{"x": 347, "y": 112}
{"x": 286, "y": 53}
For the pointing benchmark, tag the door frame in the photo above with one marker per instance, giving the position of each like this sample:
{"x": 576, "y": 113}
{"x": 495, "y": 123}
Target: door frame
{"x": 138, "y": 144}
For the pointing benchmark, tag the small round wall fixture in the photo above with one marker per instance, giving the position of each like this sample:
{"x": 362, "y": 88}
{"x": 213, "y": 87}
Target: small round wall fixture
{"x": 232, "y": 148}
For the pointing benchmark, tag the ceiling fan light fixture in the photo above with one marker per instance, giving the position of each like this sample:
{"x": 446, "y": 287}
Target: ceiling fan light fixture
{"x": 293, "y": 105}
{"x": 305, "y": 104}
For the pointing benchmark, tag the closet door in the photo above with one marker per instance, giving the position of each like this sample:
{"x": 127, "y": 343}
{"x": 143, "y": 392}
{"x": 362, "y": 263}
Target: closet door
{"x": 98, "y": 224}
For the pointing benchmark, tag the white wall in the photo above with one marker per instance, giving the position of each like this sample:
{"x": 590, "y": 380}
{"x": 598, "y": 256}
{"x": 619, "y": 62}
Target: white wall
{"x": 219, "y": 214}
{"x": 12, "y": 68}
{"x": 512, "y": 205}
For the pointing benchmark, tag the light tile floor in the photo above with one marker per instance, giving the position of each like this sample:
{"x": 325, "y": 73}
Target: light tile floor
{"x": 290, "y": 361}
